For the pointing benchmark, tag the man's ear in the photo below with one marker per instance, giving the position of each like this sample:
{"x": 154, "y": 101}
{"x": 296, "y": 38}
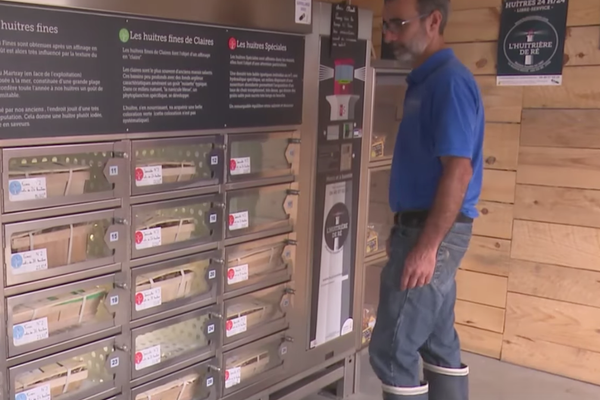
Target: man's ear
{"x": 435, "y": 21}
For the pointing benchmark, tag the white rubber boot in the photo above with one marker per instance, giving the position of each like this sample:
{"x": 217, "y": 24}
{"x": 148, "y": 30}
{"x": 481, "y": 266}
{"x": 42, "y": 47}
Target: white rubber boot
{"x": 406, "y": 393}
{"x": 447, "y": 383}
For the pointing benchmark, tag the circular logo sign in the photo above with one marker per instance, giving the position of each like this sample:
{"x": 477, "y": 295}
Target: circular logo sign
{"x": 230, "y": 273}
{"x": 18, "y": 332}
{"x": 139, "y": 174}
{"x": 231, "y": 219}
{"x": 139, "y": 237}
{"x": 531, "y": 44}
{"x": 226, "y": 375}
{"x": 16, "y": 261}
{"x": 232, "y": 165}
{"x": 14, "y": 188}
{"x": 228, "y": 325}
{"x": 232, "y": 43}
{"x": 138, "y": 357}
{"x": 337, "y": 227}
{"x": 139, "y": 298}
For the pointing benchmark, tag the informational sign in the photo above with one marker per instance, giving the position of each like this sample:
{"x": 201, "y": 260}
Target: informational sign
{"x": 341, "y": 103}
{"x": 303, "y": 12}
{"x": 531, "y": 42}
{"x": 76, "y": 73}
{"x": 344, "y": 30}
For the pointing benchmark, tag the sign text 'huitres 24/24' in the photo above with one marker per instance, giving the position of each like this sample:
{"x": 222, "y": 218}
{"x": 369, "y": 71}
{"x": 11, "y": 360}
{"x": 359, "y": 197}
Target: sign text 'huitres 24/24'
{"x": 72, "y": 73}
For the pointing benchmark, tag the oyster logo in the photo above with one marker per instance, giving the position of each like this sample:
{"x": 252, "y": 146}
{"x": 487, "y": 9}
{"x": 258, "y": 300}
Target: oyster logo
{"x": 337, "y": 227}
{"x": 531, "y": 44}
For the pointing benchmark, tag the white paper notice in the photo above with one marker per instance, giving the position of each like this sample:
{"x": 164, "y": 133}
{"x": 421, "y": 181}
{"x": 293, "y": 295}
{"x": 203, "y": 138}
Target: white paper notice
{"x": 38, "y": 393}
{"x": 148, "y": 176}
{"x": 235, "y": 326}
{"x": 233, "y": 376}
{"x": 240, "y": 166}
{"x": 148, "y": 299}
{"x": 29, "y": 332}
{"x": 27, "y": 189}
{"x": 237, "y": 274}
{"x": 29, "y": 261}
{"x": 147, "y": 357}
{"x": 238, "y": 220}
{"x": 148, "y": 238}
{"x": 303, "y": 11}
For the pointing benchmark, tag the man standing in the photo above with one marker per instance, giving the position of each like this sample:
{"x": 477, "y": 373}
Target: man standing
{"x": 434, "y": 187}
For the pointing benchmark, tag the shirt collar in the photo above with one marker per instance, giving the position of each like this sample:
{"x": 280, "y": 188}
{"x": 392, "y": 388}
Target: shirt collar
{"x": 434, "y": 61}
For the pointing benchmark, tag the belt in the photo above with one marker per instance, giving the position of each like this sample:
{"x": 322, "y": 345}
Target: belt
{"x": 416, "y": 219}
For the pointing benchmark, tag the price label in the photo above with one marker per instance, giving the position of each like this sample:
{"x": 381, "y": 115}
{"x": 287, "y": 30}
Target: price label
{"x": 240, "y": 166}
{"x": 27, "y": 189}
{"x": 235, "y": 326}
{"x": 38, "y": 393}
{"x": 148, "y": 299}
{"x": 148, "y": 238}
{"x": 148, "y": 176}
{"x": 237, "y": 274}
{"x": 29, "y": 261}
{"x": 238, "y": 220}
{"x": 29, "y": 332}
{"x": 147, "y": 357}
{"x": 233, "y": 376}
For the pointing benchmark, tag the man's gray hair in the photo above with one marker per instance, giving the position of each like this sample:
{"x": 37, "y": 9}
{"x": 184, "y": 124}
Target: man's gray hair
{"x": 426, "y": 7}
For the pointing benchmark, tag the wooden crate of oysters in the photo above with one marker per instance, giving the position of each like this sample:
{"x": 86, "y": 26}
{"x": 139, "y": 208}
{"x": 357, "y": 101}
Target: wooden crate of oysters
{"x": 175, "y": 283}
{"x": 62, "y": 178}
{"x": 63, "y": 378}
{"x": 185, "y": 388}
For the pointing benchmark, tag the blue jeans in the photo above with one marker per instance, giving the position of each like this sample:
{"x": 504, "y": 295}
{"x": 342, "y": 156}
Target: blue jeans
{"x": 420, "y": 320}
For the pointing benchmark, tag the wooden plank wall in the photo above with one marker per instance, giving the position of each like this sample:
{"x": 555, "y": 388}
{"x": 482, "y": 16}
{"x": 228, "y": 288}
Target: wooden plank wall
{"x": 529, "y": 289}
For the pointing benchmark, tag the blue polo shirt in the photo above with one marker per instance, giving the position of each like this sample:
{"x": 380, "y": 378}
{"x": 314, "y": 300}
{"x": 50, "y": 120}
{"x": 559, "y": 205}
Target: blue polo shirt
{"x": 443, "y": 116}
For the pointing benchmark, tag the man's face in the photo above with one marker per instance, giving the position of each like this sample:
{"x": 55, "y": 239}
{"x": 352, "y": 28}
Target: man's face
{"x": 404, "y": 28}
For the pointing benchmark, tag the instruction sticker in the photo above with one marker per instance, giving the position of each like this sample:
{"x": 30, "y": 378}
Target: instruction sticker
{"x": 148, "y": 176}
{"x": 37, "y": 393}
{"x": 233, "y": 376}
{"x": 148, "y": 299}
{"x": 147, "y": 357}
{"x": 29, "y": 332}
{"x": 303, "y": 11}
{"x": 235, "y": 326}
{"x": 147, "y": 238}
{"x": 238, "y": 220}
{"x": 27, "y": 189}
{"x": 237, "y": 274}
{"x": 29, "y": 261}
{"x": 240, "y": 166}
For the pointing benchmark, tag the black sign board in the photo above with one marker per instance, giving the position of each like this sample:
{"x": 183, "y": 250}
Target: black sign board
{"x": 74, "y": 73}
{"x": 531, "y": 43}
{"x": 344, "y": 30}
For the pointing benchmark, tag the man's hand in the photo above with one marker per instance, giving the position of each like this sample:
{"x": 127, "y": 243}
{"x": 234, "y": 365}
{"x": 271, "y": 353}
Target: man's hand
{"x": 418, "y": 268}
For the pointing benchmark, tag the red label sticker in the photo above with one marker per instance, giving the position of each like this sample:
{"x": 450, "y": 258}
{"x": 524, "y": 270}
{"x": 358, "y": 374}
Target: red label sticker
{"x": 139, "y": 298}
{"x": 232, "y": 43}
{"x": 138, "y": 357}
{"x": 226, "y": 375}
{"x": 228, "y": 325}
{"x": 139, "y": 236}
{"x": 139, "y": 174}
{"x": 231, "y": 219}
{"x": 232, "y": 165}
{"x": 230, "y": 273}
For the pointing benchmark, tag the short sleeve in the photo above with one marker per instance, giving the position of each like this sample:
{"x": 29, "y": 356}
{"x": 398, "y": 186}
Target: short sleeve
{"x": 454, "y": 118}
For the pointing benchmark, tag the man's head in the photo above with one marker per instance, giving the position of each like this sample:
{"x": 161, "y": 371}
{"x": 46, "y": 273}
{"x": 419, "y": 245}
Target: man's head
{"x": 414, "y": 27}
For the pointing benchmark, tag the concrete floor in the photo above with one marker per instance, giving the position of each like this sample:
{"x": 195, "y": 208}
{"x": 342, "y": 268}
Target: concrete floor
{"x": 494, "y": 380}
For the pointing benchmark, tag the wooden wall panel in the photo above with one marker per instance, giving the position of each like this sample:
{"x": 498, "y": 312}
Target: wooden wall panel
{"x": 553, "y": 321}
{"x": 558, "y": 205}
{"x": 555, "y": 282}
{"x": 579, "y": 89}
{"x": 498, "y": 186}
{"x": 583, "y": 13}
{"x": 474, "y": 25}
{"x": 549, "y": 166}
{"x": 566, "y": 245}
{"x": 582, "y": 46}
{"x": 501, "y": 146}
{"x": 479, "y": 341}
{"x": 495, "y": 220}
{"x": 561, "y": 128}
{"x": 480, "y": 57}
{"x": 502, "y": 104}
{"x": 481, "y": 288}
{"x": 457, "y": 5}
{"x": 554, "y": 358}
{"x": 480, "y": 316}
{"x": 488, "y": 255}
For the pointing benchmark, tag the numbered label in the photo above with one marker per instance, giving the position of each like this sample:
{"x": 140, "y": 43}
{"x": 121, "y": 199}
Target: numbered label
{"x": 233, "y": 376}
{"x": 29, "y": 261}
{"x": 38, "y": 393}
{"x": 148, "y": 238}
{"x": 240, "y": 166}
{"x": 27, "y": 189}
{"x": 148, "y": 299}
{"x": 30, "y": 332}
{"x": 238, "y": 220}
{"x": 237, "y": 274}
{"x": 147, "y": 357}
{"x": 235, "y": 326}
{"x": 113, "y": 170}
{"x": 149, "y": 176}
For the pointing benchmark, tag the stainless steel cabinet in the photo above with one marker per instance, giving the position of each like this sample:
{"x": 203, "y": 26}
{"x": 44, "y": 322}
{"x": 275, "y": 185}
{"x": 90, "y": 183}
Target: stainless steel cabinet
{"x": 372, "y": 281}
{"x": 388, "y": 104}
{"x": 50, "y": 317}
{"x": 255, "y": 265}
{"x": 54, "y": 247}
{"x": 380, "y": 218}
{"x": 92, "y": 372}
{"x": 263, "y": 155}
{"x": 51, "y": 176}
{"x": 171, "y": 164}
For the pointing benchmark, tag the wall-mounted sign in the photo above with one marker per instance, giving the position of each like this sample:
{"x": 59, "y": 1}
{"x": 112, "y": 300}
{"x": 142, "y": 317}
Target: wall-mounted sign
{"x": 70, "y": 73}
{"x": 531, "y": 42}
{"x": 344, "y": 30}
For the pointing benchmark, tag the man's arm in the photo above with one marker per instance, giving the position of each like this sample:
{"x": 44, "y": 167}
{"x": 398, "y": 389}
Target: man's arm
{"x": 448, "y": 201}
